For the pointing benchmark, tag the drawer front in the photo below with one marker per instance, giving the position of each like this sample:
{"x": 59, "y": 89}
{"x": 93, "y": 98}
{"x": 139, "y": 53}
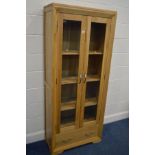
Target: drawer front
{"x": 75, "y": 135}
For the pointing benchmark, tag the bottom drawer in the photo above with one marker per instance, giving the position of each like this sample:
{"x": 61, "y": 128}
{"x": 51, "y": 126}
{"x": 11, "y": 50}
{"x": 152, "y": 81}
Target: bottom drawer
{"x": 75, "y": 135}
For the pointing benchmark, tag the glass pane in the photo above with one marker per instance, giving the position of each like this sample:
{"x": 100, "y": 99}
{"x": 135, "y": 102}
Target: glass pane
{"x": 70, "y": 65}
{"x": 68, "y": 93}
{"x": 90, "y": 113}
{"x": 94, "y": 65}
{"x": 95, "y": 58}
{"x": 97, "y": 37}
{"x": 68, "y": 117}
{"x": 71, "y": 36}
{"x": 92, "y": 90}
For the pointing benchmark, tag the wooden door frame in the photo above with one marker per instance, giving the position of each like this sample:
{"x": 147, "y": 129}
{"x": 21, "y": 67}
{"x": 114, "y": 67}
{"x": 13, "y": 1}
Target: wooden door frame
{"x": 85, "y": 65}
{"x": 106, "y": 72}
{"x": 61, "y": 17}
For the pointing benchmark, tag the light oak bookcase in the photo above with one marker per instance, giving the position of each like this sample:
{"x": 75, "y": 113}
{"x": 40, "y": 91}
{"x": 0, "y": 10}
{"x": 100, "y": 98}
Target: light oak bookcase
{"x": 78, "y": 47}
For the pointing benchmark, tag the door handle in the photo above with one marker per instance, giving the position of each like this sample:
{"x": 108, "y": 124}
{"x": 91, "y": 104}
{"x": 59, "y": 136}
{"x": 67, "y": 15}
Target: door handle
{"x": 80, "y": 78}
{"x": 84, "y": 34}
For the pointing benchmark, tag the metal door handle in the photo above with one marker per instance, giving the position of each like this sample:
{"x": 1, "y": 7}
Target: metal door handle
{"x": 80, "y": 79}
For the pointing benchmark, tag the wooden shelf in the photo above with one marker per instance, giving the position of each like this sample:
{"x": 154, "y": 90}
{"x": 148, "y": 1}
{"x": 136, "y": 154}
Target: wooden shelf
{"x": 95, "y": 53}
{"x": 69, "y": 80}
{"x": 86, "y": 120}
{"x": 73, "y": 52}
{"x": 89, "y": 122}
{"x": 68, "y": 105}
{"x": 93, "y": 78}
{"x": 67, "y": 124}
{"x": 70, "y": 52}
{"x": 90, "y": 102}
{"x": 73, "y": 79}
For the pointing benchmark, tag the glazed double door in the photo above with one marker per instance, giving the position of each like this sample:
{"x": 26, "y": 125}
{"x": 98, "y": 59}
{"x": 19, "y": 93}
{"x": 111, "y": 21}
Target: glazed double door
{"x": 81, "y": 59}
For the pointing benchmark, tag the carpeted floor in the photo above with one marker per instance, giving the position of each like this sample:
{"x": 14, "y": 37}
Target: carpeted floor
{"x": 115, "y": 142}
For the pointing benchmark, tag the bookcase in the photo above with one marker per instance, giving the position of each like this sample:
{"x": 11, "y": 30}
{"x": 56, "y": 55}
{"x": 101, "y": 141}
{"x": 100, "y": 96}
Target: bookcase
{"x": 77, "y": 54}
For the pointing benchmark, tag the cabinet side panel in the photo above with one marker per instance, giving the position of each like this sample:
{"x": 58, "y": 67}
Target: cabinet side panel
{"x": 107, "y": 71}
{"x": 48, "y": 46}
{"x": 48, "y": 75}
{"x": 48, "y": 125}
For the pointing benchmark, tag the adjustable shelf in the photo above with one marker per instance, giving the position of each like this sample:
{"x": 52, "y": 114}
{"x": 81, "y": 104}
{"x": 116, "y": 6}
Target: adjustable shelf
{"x": 68, "y": 105}
{"x": 93, "y": 78}
{"x": 69, "y": 80}
{"x": 73, "y": 79}
{"x": 70, "y": 52}
{"x": 90, "y": 101}
{"x": 67, "y": 125}
{"x": 87, "y": 120}
{"x": 95, "y": 53}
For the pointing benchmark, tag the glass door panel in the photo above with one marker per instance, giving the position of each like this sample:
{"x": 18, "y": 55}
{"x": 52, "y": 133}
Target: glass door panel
{"x": 70, "y": 50}
{"x": 90, "y": 113}
{"x": 67, "y": 117}
{"x": 71, "y": 36}
{"x": 97, "y": 38}
{"x": 93, "y": 77}
{"x": 70, "y": 54}
{"x": 70, "y": 65}
{"x": 94, "y": 67}
{"x": 68, "y": 104}
{"x": 91, "y": 99}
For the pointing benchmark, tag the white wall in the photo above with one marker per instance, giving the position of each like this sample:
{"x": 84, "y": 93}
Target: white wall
{"x": 118, "y": 91}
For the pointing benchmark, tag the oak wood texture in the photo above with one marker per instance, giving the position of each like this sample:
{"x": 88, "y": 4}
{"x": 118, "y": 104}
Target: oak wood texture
{"x": 81, "y": 135}
{"x": 71, "y": 9}
{"x": 76, "y": 73}
{"x": 70, "y": 52}
{"x": 107, "y": 69}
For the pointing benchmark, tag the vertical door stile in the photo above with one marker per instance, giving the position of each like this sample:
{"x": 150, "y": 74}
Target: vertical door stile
{"x": 80, "y": 76}
{"x": 85, "y": 65}
{"x": 54, "y": 77}
{"x": 59, "y": 70}
{"x": 103, "y": 72}
{"x": 111, "y": 32}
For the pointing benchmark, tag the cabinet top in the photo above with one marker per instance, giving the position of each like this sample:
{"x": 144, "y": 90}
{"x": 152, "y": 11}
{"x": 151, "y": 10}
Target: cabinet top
{"x": 71, "y": 9}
